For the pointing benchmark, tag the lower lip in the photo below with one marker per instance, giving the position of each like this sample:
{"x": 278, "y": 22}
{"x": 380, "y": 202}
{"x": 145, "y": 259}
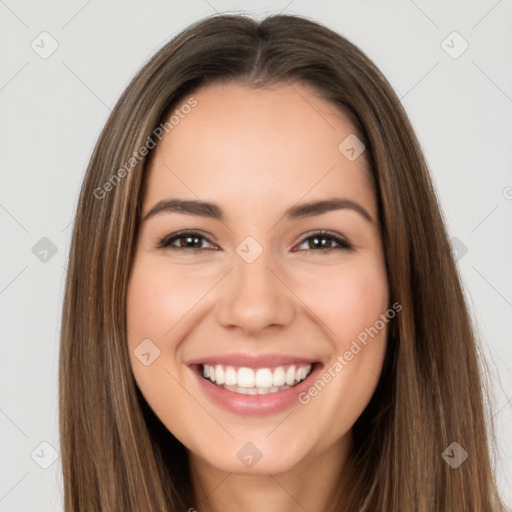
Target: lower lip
{"x": 255, "y": 405}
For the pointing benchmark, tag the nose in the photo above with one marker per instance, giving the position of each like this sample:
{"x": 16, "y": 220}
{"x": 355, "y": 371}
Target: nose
{"x": 255, "y": 297}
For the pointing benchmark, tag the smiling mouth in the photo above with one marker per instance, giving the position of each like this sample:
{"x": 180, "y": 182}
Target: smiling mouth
{"x": 255, "y": 381}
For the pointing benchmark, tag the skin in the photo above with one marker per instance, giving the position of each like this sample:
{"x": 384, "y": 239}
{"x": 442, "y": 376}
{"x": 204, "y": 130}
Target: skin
{"x": 255, "y": 153}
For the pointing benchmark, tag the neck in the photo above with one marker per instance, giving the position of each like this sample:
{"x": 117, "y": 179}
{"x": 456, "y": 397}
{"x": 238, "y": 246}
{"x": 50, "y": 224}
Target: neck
{"x": 314, "y": 484}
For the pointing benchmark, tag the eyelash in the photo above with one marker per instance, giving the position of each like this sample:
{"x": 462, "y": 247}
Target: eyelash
{"x": 165, "y": 243}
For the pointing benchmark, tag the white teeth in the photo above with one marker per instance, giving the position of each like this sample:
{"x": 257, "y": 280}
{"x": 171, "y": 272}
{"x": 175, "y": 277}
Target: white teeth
{"x": 219, "y": 375}
{"x": 245, "y": 378}
{"x": 255, "y": 391}
{"x": 230, "y": 376}
{"x": 255, "y": 382}
{"x": 278, "y": 377}
{"x": 290, "y": 375}
{"x": 263, "y": 378}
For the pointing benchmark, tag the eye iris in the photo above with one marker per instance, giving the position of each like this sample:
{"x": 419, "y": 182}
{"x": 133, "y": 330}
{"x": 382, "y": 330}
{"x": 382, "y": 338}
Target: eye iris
{"x": 325, "y": 243}
{"x": 194, "y": 240}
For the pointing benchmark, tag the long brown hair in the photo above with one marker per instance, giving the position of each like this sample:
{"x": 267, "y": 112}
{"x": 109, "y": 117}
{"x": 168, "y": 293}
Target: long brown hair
{"x": 116, "y": 455}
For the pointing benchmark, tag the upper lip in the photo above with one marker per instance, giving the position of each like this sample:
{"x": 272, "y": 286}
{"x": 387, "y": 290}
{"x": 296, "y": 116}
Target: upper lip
{"x": 252, "y": 361}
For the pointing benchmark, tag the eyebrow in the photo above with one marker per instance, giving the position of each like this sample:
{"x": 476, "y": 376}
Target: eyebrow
{"x": 214, "y": 211}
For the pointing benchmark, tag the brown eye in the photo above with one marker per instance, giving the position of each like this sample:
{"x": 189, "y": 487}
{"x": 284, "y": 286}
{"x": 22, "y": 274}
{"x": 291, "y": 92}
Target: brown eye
{"x": 186, "y": 240}
{"x": 326, "y": 241}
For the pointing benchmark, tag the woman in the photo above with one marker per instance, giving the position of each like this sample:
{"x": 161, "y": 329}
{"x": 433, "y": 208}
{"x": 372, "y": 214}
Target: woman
{"x": 262, "y": 309}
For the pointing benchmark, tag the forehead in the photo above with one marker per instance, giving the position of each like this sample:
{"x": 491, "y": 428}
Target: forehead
{"x": 256, "y": 147}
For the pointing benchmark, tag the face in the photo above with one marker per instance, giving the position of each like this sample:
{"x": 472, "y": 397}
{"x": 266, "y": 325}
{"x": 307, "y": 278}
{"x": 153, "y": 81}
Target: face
{"x": 256, "y": 324}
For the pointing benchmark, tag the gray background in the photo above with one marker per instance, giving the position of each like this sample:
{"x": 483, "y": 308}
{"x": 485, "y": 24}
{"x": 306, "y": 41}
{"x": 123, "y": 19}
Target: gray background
{"x": 53, "y": 109}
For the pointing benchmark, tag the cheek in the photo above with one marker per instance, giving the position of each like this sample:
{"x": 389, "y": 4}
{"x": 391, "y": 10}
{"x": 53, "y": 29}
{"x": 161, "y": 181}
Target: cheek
{"x": 158, "y": 298}
{"x": 155, "y": 303}
{"x": 348, "y": 299}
